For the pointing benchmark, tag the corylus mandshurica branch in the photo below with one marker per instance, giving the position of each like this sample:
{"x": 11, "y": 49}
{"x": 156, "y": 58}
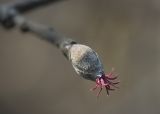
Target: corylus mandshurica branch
{"x": 84, "y": 60}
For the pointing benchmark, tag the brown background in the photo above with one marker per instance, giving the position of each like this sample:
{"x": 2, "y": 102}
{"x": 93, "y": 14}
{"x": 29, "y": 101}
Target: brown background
{"x": 35, "y": 78}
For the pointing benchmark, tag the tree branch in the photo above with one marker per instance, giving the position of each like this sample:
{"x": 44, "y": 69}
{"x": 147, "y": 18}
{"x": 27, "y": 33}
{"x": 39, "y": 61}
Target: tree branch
{"x": 84, "y": 60}
{"x": 10, "y": 17}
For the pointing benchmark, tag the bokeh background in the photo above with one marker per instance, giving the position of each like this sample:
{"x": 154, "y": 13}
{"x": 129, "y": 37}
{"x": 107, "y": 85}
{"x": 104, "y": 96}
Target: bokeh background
{"x": 35, "y": 78}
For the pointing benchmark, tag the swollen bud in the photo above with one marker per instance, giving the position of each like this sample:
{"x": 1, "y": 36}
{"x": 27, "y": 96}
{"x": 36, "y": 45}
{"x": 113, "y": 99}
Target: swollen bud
{"x": 87, "y": 64}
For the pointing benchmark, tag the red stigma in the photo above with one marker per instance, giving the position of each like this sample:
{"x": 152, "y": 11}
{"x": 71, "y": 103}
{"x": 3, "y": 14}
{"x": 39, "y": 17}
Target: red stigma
{"x": 106, "y": 81}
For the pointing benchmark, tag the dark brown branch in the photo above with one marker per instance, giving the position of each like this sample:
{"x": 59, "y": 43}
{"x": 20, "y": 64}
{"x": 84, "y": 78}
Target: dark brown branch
{"x": 9, "y": 17}
{"x": 84, "y": 60}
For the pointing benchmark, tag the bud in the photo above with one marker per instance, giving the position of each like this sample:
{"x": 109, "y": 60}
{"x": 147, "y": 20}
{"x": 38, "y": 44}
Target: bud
{"x": 87, "y": 64}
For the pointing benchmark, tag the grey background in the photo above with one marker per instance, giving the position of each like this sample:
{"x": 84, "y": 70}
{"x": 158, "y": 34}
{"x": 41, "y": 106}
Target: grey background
{"x": 35, "y": 78}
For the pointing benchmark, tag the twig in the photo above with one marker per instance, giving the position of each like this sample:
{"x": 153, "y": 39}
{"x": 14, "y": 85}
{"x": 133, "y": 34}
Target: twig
{"x": 84, "y": 60}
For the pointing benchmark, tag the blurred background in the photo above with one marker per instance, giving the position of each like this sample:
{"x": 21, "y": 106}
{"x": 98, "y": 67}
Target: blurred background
{"x": 35, "y": 78}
